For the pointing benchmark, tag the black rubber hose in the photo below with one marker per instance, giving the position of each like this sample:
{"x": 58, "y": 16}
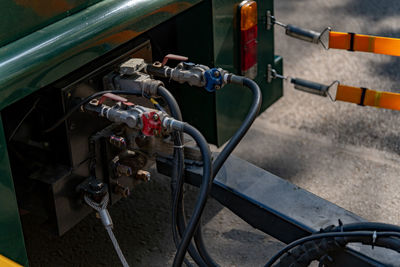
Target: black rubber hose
{"x": 203, "y": 194}
{"x": 202, "y": 249}
{"x": 303, "y": 255}
{"x": 248, "y": 121}
{"x": 366, "y": 226}
{"x": 178, "y": 212}
{"x": 309, "y": 251}
{"x": 223, "y": 156}
{"x": 360, "y": 234}
{"x": 178, "y": 159}
{"x": 178, "y": 219}
{"x": 171, "y": 102}
{"x": 176, "y": 188}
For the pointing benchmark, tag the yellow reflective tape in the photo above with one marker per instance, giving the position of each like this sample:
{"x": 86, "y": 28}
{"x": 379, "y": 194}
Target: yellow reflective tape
{"x": 4, "y": 262}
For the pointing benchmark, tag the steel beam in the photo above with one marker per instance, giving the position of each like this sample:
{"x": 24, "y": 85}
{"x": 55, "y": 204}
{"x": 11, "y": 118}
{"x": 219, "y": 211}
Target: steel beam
{"x": 281, "y": 209}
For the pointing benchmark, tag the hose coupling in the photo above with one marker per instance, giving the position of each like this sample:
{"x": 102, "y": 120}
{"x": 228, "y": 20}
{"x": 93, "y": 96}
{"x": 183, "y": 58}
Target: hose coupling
{"x": 171, "y": 124}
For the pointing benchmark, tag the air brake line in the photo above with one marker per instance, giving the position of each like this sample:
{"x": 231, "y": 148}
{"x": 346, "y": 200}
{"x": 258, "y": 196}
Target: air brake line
{"x": 341, "y": 40}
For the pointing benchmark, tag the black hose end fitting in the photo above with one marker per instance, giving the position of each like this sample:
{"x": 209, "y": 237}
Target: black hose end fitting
{"x": 235, "y": 79}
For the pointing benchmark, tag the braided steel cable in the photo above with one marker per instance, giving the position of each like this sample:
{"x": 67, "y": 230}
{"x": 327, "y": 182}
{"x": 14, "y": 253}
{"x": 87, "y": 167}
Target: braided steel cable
{"x": 108, "y": 225}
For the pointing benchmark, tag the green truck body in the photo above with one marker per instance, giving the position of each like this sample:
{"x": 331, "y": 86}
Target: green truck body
{"x": 43, "y": 41}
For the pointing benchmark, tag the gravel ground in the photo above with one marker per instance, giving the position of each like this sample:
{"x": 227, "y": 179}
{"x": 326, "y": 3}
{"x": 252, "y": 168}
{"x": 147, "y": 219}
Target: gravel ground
{"x": 342, "y": 152}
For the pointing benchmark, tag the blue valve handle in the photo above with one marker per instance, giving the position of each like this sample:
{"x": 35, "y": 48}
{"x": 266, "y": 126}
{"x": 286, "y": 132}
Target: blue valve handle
{"x": 213, "y": 80}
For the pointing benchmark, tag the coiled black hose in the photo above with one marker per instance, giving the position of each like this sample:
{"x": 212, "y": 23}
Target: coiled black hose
{"x": 178, "y": 212}
{"x": 304, "y": 254}
{"x": 366, "y": 226}
{"x": 178, "y": 219}
{"x": 203, "y": 194}
{"x": 347, "y": 237}
{"x": 317, "y": 250}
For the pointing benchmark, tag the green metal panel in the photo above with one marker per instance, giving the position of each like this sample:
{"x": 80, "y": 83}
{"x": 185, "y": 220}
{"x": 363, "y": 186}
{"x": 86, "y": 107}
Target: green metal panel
{"x": 46, "y": 55}
{"x": 11, "y": 238}
{"x": 233, "y": 102}
{"x": 26, "y": 16}
{"x": 195, "y": 40}
{"x": 213, "y": 41}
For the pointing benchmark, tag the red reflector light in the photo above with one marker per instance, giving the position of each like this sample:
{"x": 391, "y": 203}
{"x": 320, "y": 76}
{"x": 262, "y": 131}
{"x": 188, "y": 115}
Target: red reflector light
{"x": 248, "y": 38}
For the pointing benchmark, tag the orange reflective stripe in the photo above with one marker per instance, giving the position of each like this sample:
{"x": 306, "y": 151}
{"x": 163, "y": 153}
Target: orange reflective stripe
{"x": 349, "y": 94}
{"x": 372, "y": 98}
{"x": 365, "y": 43}
{"x": 339, "y": 40}
{"x": 390, "y": 101}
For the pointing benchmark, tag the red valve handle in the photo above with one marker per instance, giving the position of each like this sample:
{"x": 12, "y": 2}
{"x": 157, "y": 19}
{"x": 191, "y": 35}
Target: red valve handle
{"x": 173, "y": 57}
{"x": 112, "y": 97}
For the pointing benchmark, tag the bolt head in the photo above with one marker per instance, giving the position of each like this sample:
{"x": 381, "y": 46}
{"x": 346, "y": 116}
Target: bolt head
{"x": 155, "y": 117}
{"x": 217, "y": 87}
{"x": 217, "y": 74}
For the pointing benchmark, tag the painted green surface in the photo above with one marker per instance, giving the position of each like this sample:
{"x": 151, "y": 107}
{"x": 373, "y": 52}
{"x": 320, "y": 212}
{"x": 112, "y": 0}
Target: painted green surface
{"x": 233, "y": 102}
{"x": 46, "y": 55}
{"x": 11, "y": 238}
{"x": 25, "y": 16}
{"x": 195, "y": 40}
{"x": 208, "y": 35}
